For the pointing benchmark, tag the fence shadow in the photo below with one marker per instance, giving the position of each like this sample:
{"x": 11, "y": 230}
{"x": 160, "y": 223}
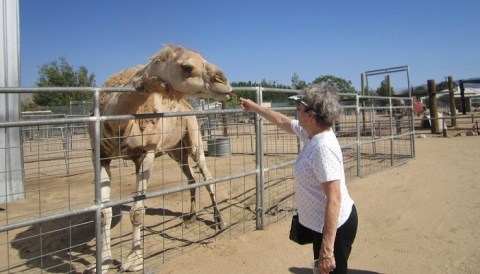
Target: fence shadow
{"x": 51, "y": 246}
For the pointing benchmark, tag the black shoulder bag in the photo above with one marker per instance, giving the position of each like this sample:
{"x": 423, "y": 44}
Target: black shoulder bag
{"x": 299, "y": 233}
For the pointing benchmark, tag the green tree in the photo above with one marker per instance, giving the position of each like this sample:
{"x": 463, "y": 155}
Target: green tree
{"x": 420, "y": 91}
{"x": 244, "y": 94}
{"x": 443, "y": 86}
{"x": 61, "y": 74}
{"x": 29, "y": 106}
{"x": 271, "y": 96}
{"x": 384, "y": 90}
{"x": 297, "y": 83}
{"x": 369, "y": 91}
{"x": 344, "y": 85}
{"x": 274, "y": 96}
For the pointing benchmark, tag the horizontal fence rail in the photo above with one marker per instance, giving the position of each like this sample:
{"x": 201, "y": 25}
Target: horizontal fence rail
{"x": 56, "y": 228}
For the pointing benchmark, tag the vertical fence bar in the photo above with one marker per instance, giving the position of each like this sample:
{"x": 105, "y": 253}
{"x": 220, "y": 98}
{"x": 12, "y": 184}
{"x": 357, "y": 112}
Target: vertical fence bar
{"x": 260, "y": 212}
{"x": 390, "y": 102}
{"x": 412, "y": 130}
{"x": 357, "y": 111}
{"x": 98, "y": 195}
{"x": 363, "y": 102}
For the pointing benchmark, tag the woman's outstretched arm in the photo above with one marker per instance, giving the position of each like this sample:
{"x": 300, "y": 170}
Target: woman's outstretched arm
{"x": 280, "y": 120}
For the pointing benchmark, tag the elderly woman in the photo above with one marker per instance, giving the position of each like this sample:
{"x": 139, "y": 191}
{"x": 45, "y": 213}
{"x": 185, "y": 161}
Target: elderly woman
{"x": 324, "y": 204}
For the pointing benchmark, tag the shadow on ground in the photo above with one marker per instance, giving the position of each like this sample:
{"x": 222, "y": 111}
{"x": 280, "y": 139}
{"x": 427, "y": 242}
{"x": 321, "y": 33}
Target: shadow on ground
{"x": 304, "y": 270}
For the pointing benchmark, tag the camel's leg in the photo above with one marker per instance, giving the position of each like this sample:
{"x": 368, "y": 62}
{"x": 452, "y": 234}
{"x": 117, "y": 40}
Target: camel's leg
{"x": 180, "y": 155}
{"x": 194, "y": 145}
{"x": 134, "y": 261}
{"x": 105, "y": 179}
{"x": 199, "y": 157}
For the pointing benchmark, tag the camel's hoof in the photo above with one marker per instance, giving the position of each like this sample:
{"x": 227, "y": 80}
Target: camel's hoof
{"x": 106, "y": 265}
{"x": 220, "y": 223}
{"x": 134, "y": 262}
{"x": 190, "y": 219}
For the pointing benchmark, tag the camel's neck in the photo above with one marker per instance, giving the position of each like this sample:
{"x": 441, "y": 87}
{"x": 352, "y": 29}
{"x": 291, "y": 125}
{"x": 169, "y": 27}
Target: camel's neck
{"x": 142, "y": 102}
{"x": 162, "y": 88}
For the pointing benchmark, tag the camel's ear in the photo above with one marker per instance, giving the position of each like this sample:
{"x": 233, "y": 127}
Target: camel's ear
{"x": 137, "y": 81}
{"x": 146, "y": 83}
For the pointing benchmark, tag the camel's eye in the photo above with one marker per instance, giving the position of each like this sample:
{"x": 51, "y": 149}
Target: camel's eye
{"x": 187, "y": 70}
{"x": 219, "y": 78}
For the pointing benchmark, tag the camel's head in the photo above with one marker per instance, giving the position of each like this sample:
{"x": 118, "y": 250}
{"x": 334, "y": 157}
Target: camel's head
{"x": 185, "y": 71}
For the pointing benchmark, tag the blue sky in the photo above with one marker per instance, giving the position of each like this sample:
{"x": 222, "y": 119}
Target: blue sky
{"x": 253, "y": 40}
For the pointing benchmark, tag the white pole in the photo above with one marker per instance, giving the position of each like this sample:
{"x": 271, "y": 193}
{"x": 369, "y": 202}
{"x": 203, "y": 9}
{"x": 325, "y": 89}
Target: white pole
{"x": 11, "y": 152}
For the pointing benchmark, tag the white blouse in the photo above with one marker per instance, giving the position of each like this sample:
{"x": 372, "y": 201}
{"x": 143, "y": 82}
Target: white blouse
{"x": 319, "y": 161}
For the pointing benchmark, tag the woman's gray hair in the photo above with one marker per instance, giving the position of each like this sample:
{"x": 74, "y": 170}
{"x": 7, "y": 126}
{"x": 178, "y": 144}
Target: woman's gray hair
{"x": 322, "y": 99}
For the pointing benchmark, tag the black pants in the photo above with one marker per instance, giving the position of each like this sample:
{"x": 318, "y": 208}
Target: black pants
{"x": 343, "y": 242}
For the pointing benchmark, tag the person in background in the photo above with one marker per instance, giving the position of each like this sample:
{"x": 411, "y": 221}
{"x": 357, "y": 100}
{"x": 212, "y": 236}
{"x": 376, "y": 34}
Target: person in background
{"x": 324, "y": 204}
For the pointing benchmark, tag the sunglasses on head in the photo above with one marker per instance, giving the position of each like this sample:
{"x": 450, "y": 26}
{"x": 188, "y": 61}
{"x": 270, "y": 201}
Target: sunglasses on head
{"x": 307, "y": 108}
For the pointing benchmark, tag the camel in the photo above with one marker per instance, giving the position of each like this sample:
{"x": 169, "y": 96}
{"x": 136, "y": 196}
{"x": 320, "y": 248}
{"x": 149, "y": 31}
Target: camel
{"x": 172, "y": 74}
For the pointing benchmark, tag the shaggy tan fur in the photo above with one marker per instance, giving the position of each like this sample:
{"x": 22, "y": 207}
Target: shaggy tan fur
{"x": 151, "y": 86}
{"x": 162, "y": 85}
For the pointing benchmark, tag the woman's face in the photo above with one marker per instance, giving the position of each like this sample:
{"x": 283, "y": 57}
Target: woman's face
{"x": 303, "y": 113}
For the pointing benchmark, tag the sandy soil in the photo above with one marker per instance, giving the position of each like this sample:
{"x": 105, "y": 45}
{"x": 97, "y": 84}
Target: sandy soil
{"x": 421, "y": 217}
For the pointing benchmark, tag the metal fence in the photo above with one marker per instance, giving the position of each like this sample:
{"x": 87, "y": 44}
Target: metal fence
{"x": 55, "y": 228}
{"x": 454, "y": 124}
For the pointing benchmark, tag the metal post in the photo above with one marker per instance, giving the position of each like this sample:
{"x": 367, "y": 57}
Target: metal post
{"x": 98, "y": 193}
{"x": 363, "y": 101}
{"x": 260, "y": 210}
{"x": 11, "y": 158}
{"x": 408, "y": 83}
{"x": 358, "y": 145}
{"x": 391, "y": 126}
{"x": 389, "y": 87}
{"x": 372, "y": 128}
{"x": 224, "y": 119}
{"x": 412, "y": 129}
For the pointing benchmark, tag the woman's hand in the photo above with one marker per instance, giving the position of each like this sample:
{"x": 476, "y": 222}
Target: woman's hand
{"x": 327, "y": 264}
{"x": 248, "y": 105}
{"x": 276, "y": 118}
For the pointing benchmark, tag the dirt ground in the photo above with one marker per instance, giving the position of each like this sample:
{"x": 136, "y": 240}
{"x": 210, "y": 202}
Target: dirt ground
{"x": 68, "y": 244}
{"x": 421, "y": 217}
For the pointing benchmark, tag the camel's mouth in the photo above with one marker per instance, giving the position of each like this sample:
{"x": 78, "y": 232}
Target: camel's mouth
{"x": 225, "y": 96}
{"x": 216, "y": 95}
